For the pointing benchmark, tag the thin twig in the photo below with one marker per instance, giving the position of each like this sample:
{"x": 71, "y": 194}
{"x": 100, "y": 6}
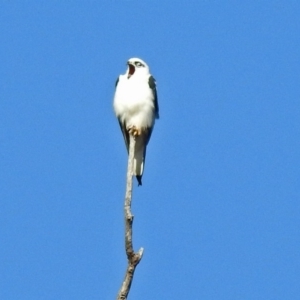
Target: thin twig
{"x": 133, "y": 258}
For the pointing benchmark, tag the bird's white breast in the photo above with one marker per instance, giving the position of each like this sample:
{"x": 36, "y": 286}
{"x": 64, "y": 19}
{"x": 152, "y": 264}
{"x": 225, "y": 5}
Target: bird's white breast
{"x": 134, "y": 101}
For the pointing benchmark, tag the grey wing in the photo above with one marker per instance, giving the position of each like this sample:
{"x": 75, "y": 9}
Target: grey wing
{"x": 152, "y": 85}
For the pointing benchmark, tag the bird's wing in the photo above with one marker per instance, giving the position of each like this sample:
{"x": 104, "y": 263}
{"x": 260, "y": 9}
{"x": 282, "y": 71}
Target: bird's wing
{"x": 152, "y": 85}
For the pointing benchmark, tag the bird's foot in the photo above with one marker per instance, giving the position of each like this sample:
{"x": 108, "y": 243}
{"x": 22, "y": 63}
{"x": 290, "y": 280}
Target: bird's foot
{"x": 134, "y": 131}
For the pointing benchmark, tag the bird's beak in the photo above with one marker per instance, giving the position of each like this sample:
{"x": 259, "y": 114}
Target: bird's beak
{"x": 131, "y": 70}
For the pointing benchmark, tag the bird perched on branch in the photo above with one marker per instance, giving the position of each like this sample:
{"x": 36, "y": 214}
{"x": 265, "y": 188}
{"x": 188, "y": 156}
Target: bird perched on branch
{"x": 136, "y": 107}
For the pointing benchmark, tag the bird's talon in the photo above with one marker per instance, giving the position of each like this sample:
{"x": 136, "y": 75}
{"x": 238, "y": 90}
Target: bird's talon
{"x": 134, "y": 131}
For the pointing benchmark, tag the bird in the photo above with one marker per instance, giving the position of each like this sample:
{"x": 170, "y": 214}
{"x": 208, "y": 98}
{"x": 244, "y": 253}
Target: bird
{"x": 136, "y": 108}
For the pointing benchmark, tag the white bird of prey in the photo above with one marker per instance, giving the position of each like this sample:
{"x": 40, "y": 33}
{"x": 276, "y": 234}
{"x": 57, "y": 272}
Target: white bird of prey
{"x": 136, "y": 107}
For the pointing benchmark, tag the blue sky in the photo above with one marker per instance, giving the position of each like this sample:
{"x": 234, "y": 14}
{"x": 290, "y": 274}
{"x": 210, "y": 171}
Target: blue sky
{"x": 218, "y": 213}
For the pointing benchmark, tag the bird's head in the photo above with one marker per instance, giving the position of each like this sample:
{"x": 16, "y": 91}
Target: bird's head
{"x": 136, "y": 66}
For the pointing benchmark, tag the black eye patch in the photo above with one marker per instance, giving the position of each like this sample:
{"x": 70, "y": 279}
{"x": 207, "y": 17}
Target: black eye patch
{"x": 138, "y": 64}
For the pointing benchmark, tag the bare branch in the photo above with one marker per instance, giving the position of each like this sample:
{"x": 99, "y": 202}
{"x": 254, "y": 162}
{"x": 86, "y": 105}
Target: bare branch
{"x": 133, "y": 258}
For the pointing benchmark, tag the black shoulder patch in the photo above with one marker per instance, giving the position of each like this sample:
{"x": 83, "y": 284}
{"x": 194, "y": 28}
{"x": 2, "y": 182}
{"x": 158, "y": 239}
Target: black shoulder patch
{"x": 152, "y": 83}
{"x": 117, "y": 81}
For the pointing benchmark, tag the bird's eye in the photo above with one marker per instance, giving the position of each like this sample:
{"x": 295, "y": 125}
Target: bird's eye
{"x": 138, "y": 64}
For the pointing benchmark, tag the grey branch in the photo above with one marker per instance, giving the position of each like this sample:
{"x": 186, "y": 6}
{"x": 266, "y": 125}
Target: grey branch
{"x": 133, "y": 258}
